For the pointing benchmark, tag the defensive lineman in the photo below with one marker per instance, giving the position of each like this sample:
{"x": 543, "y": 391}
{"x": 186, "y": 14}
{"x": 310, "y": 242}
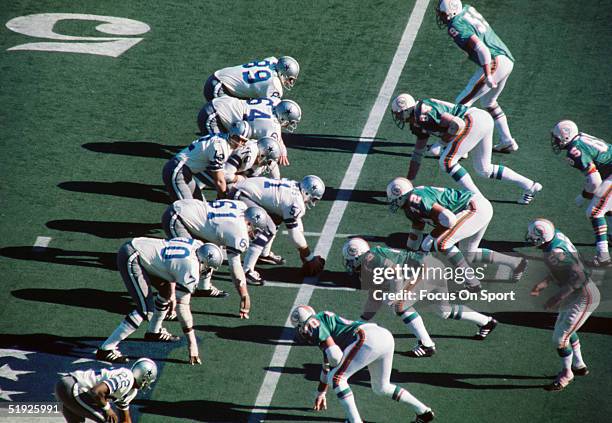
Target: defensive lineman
{"x": 226, "y": 223}
{"x": 285, "y": 201}
{"x": 89, "y": 393}
{"x": 462, "y": 129}
{"x": 260, "y": 78}
{"x": 359, "y": 258}
{"x": 173, "y": 267}
{"x": 206, "y": 154}
{"x": 576, "y": 299}
{"x": 348, "y": 347}
{"x": 473, "y": 34}
{"x": 593, "y": 157}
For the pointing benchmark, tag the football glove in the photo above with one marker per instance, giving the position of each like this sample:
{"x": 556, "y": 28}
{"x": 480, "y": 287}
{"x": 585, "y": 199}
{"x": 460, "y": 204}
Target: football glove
{"x": 313, "y": 267}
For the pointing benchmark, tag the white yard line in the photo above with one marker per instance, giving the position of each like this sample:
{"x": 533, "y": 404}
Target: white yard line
{"x": 298, "y": 286}
{"x": 41, "y": 243}
{"x": 318, "y": 234}
{"x": 378, "y": 111}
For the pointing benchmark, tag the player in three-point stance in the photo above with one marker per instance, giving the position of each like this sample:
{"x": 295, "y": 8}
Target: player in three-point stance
{"x": 348, "y": 347}
{"x": 360, "y": 259}
{"x": 473, "y": 34}
{"x": 88, "y": 394}
{"x": 462, "y": 130}
{"x": 576, "y": 299}
{"x": 173, "y": 268}
{"x": 593, "y": 157}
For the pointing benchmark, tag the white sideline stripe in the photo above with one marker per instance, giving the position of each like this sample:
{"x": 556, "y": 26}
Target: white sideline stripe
{"x": 316, "y": 286}
{"x": 281, "y": 352}
{"x": 41, "y": 242}
{"x": 317, "y": 234}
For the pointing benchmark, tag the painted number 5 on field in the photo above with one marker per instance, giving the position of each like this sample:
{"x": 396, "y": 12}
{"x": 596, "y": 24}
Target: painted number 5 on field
{"x": 41, "y": 26}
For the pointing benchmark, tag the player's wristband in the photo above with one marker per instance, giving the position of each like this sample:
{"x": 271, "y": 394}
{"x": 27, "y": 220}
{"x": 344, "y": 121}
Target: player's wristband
{"x": 587, "y": 195}
{"x": 309, "y": 257}
{"x": 106, "y": 406}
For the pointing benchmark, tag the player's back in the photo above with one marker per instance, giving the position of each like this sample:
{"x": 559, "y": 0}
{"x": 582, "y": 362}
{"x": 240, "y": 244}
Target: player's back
{"x": 164, "y": 258}
{"x": 342, "y": 330}
{"x": 252, "y": 80}
{"x": 260, "y": 115}
{"x": 593, "y": 149}
{"x": 206, "y": 153}
{"x": 229, "y": 109}
{"x": 119, "y": 380}
{"x": 274, "y": 195}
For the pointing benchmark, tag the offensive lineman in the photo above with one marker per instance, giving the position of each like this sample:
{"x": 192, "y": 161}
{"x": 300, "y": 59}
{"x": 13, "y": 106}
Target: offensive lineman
{"x": 226, "y": 223}
{"x": 593, "y": 157}
{"x": 260, "y": 78}
{"x": 462, "y": 129}
{"x": 265, "y": 116}
{"x": 349, "y": 346}
{"x": 208, "y": 153}
{"x": 89, "y": 393}
{"x": 359, "y": 258}
{"x": 173, "y": 268}
{"x": 285, "y": 201}
{"x": 473, "y": 34}
{"x": 576, "y": 299}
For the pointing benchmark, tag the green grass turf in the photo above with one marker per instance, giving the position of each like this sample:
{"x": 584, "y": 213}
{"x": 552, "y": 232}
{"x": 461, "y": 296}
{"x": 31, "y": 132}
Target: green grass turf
{"x": 84, "y": 139}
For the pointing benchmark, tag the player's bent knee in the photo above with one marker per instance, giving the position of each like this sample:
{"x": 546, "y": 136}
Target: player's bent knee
{"x": 386, "y": 389}
{"x": 443, "y": 312}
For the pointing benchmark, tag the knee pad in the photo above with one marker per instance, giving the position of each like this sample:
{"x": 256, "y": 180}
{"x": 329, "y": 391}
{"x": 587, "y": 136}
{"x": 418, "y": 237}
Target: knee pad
{"x": 338, "y": 382}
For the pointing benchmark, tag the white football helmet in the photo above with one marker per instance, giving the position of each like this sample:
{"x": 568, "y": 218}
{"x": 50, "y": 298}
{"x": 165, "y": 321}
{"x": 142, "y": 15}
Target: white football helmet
{"x": 353, "y": 251}
{"x": 396, "y": 193}
{"x": 257, "y": 218}
{"x": 447, "y": 10}
{"x": 401, "y": 107}
{"x": 562, "y": 134}
{"x": 288, "y": 70}
{"x": 301, "y": 314}
{"x": 239, "y": 132}
{"x": 540, "y": 231}
{"x": 312, "y": 188}
{"x": 289, "y": 114}
{"x": 210, "y": 256}
{"x": 269, "y": 151}
{"x": 145, "y": 373}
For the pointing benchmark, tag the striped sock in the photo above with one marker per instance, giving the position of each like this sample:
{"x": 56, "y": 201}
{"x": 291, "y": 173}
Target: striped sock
{"x": 347, "y": 399}
{"x": 457, "y": 259}
{"x": 469, "y": 315}
{"x": 484, "y": 255}
{"x": 507, "y": 174}
{"x": 460, "y": 175}
{"x": 402, "y": 395}
{"x": 414, "y": 323}
{"x": 128, "y": 326}
{"x": 566, "y": 357}
{"x": 161, "y": 309}
{"x": 600, "y": 228}
{"x": 577, "y": 360}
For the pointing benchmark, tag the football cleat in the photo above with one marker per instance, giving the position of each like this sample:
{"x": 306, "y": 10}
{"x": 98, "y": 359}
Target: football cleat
{"x": 421, "y": 351}
{"x": 517, "y": 274}
{"x": 162, "y": 336}
{"x": 112, "y": 356}
{"x": 425, "y": 417}
{"x": 271, "y": 258}
{"x": 484, "y": 331}
{"x": 213, "y": 292}
{"x": 580, "y": 371}
{"x": 560, "y": 383}
{"x": 254, "y": 278}
{"x": 506, "y": 147}
{"x": 528, "y": 194}
{"x": 599, "y": 262}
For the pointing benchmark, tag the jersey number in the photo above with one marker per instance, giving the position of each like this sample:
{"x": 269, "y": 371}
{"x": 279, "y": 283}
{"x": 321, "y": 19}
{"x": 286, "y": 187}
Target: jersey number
{"x": 476, "y": 20}
{"x": 596, "y": 143}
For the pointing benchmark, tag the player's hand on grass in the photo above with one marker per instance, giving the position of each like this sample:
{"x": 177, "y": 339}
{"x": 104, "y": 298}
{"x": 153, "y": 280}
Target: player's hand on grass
{"x": 320, "y": 402}
{"x": 580, "y": 200}
{"x": 111, "y": 416}
{"x": 245, "y": 306}
{"x": 194, "y": 359}
{"x": 283, "y": 161}
{"x": 539, "y": 287}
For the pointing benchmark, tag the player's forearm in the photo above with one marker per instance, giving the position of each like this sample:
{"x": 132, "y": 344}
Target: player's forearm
{"x": 483, "y": 53}
{"x": 236, "y": 270}
{"x": 220, "y": 184}
{"x": 299, "y": 240}
{"x": 126, "y": 416}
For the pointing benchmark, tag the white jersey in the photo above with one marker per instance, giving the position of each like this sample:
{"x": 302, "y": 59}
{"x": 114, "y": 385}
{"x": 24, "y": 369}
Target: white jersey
{"x": 252, "y": 80}
{"x": 281, "y": 197}
{"x": 120, "y": 384}
{"x": 209, "y": 152}
{"x": 242, "y": 161}
{"x": 229, "y": 110}
{"x": 173, "y": 260}
{"x": 220, "y": 222}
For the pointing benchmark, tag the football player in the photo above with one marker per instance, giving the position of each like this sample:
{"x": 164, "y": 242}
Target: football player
{"x": 362, "y": 260}
{"x": 473, "y": 34}
{"x": 173, "y": 268}
{"x": 266, "y": 117}
{"x": 576, "y": 298}
{"x": 349, "y": 346}
{"x": 462, "y": 129}
{"x": 206, "y": 154}
{"x": 88, "y": 394}
{"x": 259, "y": 78}
{"x": 226, "y": 223}
{"x": 593, "y": 157}
{"x": 285, "y": 201}
{"x": 255, "y": 158}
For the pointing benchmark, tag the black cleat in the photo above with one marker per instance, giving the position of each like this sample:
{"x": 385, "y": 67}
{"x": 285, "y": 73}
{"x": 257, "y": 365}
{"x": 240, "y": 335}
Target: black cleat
{"x": 597, "y": 262}
{"x": 580, "y": 371}
{"x": 254, "y": 278}
{"x": 112, "y": 356}
{"x": 518, "y": 273}
{"x": 425, "y": 417}
{"x": 484, "y": 331}
{"x": 162, "y": 336}
{"x": 271, "y": 258}
{"x": 213, "y": 292}
{"x": 421, "y": 351}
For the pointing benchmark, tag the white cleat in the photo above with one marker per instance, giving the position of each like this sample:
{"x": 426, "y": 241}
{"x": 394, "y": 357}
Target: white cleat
{"x": 506, "y": 147}
{"x": 528, "y": 194}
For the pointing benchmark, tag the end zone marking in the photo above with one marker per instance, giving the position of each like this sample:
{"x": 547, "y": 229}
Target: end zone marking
{"x": 281, "y": 352}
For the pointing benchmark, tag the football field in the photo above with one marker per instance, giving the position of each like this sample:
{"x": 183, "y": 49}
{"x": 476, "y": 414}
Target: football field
{"x": 91, "y": 113}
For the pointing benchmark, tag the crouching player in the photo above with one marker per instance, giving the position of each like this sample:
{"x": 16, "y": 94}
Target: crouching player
{"x": 89, "y": 393}
{"x": 359, "y": 258}
{"x": 348, "y": 347}
{"x": 576, "y": 299}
